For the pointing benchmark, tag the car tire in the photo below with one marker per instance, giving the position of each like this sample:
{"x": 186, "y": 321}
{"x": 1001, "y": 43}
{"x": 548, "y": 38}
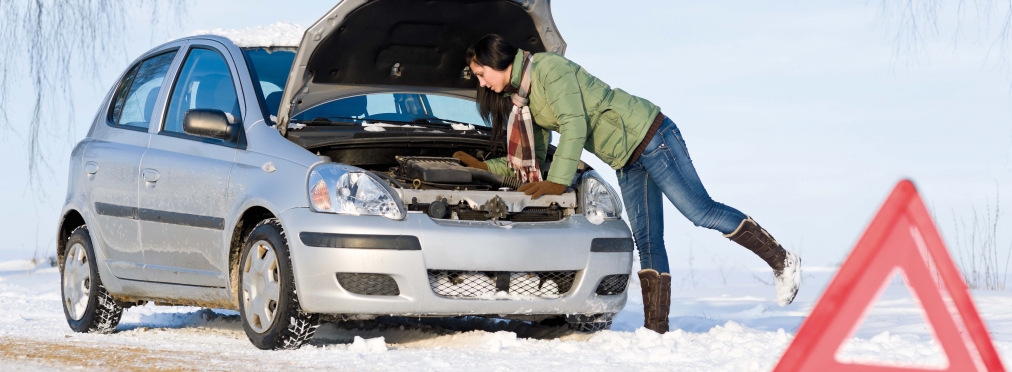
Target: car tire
{"x": 590, "y": 327}
{"x": 89, "y": 308}
{"x": 590, "y": 323}
{"x": 268, "y": 306}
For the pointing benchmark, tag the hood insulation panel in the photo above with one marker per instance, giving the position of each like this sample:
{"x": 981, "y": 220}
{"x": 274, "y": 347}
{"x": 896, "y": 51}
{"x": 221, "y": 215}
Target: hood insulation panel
{"x": 426, "y": 39}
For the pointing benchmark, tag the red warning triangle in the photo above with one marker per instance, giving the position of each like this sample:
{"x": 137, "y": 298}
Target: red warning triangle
{"x": 902, "y": 236}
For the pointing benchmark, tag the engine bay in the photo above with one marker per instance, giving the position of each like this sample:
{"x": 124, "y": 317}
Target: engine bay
{"x": 445, "y": 189}
{"x": 430, "y": 182}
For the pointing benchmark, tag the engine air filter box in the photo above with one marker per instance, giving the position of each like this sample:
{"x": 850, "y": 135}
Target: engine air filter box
{"x": 433, "y": 169}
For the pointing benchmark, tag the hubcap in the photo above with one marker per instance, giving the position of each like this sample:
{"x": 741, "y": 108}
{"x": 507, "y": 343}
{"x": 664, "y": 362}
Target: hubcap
{"x": 261, "y": 286}
{"x": 76, "y": 281}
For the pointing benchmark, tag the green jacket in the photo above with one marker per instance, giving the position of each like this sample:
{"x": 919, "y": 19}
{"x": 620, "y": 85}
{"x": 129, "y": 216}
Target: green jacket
{"x": 587, "y": 113}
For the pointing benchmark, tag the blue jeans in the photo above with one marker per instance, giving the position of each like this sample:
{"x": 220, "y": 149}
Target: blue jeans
{"x": 665, "y": 167}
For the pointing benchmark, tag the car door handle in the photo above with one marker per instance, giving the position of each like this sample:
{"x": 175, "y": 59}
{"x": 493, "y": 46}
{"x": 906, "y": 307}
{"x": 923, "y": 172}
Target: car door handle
{"x": 149, "y": 175}
{"x": 91, "y": 167}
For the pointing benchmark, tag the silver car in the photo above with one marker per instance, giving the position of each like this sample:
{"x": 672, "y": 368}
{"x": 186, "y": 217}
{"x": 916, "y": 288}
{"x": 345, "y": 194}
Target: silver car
{"x": 314, "y": 182}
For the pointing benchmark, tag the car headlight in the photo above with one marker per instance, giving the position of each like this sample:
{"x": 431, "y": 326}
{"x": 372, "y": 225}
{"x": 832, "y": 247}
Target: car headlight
{"x": 336, "y": 188}
{"x": 600, "y": 202}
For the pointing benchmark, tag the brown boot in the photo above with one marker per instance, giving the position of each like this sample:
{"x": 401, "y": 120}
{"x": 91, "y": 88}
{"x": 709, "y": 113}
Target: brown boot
{"x": 785, "y": 264}
{"x": 656, "y": 299}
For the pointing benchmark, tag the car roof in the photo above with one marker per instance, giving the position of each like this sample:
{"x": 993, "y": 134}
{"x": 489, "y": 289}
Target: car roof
{"x": 277, "y": 35}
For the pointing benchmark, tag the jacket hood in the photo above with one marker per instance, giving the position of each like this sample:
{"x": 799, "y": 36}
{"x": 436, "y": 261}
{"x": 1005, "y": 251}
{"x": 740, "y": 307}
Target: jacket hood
{"x": 406, "y": 44}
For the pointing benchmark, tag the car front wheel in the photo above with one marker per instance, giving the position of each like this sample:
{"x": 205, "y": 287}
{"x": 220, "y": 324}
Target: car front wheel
{"x": 590, "y": 323}
{"x": 89, "y": 308}
{"x": 270, "y": 311}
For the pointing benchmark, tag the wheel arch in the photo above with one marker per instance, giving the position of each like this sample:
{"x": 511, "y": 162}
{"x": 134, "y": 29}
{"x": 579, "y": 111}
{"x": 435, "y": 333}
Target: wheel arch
{"x": 243, "y": 226}
{"x": 71, "y": 220}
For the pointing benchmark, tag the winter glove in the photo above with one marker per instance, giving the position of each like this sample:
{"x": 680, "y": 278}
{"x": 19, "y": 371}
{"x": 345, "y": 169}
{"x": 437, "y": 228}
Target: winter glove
{"x": 537, "y": 189}
{"x": 469, "y": 160}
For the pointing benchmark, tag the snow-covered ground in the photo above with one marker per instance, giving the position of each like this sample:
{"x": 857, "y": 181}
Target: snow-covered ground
{"x": 720, "y": 322}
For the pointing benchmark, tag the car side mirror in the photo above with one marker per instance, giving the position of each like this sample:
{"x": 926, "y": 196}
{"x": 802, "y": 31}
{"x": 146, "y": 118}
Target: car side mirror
{"x": 209, "y": 123}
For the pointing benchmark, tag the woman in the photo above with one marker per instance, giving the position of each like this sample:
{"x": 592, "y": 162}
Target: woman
{"x": 628, "y": 133}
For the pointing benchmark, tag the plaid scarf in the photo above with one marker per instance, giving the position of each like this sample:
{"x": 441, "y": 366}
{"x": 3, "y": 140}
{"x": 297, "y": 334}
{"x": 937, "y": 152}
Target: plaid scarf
{"x": 520, "y": 131}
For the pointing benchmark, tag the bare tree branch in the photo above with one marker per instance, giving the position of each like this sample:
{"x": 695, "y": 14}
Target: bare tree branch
{"x": 915, "y": 22}
{"x": 53, "y": 40}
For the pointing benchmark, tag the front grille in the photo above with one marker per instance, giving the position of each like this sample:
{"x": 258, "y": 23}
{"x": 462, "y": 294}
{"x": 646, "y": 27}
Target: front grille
{"x": 537, "y": 214}
{"x": 613, "y": 284}
{"x": 472, "y": 215}
{"x": 529, "y": 214}
{"x": 501, "y": 285}
{"x": 369, "y": 284}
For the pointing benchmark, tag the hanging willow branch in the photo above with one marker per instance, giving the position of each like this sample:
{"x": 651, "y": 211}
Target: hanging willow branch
{"x": 987, "y": 22}
{"x": 52, "y": 40}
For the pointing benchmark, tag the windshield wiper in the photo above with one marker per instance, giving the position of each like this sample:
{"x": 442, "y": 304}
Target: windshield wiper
{"x": 345, "y": 120}
{"x": 423, "y": 121}
{"x": 430, "y": 122}
{"x": 415, "y": 121}
{"x": 451, "y": 122}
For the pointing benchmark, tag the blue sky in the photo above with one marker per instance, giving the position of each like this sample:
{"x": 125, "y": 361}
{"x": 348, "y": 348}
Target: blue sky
{"x": 799, "y": 113}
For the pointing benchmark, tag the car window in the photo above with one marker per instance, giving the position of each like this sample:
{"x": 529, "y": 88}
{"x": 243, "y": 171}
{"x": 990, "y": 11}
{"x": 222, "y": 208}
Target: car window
{"x": 204, "y": 82}
{"x": 137, "y": 93}
{"x": 270, "y": 66}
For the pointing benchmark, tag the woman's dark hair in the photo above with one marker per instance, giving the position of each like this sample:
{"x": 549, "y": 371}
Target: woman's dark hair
{"x": 493, "y": 51}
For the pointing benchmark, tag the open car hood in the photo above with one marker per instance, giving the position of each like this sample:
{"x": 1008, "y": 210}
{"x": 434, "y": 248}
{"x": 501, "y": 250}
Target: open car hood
{"x": 417, "y": 45}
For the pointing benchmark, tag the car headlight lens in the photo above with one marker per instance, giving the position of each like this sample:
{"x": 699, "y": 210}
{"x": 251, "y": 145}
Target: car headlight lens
{"x": 336, "y": 188}
{"x": 600, "y": 202}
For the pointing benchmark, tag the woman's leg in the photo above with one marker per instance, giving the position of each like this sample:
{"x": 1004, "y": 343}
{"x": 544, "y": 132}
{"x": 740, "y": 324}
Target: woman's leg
{"x": 645, "y": 208}
{"x": 667, "y": 162}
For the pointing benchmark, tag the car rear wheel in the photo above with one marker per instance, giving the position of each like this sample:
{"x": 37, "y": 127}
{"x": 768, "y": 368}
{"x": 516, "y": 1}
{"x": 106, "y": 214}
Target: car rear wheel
{"x": 268, "y": 306}
{"x": 87, "y": 305}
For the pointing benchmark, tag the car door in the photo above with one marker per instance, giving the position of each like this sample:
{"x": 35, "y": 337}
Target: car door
{"x": 112, "y": 161}
{"x": 184, "y": 178}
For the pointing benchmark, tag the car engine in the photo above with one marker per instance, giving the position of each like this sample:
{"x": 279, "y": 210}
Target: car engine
{"x": 444, "y": 189}
{"x": 428, "y": 180}
{"x": 423, "y": 172}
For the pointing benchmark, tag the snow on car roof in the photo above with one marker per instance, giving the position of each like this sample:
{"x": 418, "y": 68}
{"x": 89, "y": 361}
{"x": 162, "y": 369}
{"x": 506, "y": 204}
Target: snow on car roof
{"x": 279, "y": 34}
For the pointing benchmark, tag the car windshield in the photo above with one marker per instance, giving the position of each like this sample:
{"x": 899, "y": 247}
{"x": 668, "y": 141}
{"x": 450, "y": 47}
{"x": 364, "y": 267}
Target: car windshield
{"x": 411, "y": 108}
{"x": 270, "y": 66}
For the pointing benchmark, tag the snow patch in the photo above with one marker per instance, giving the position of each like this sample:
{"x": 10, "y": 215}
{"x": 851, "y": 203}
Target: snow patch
{"x": 462, "y": 126}
{"x": 280, "y": 34}
{"x": 501, "y": 340}
{"x": 372, "y": 345}
{"x": 702, "y": 338}
{"x": 296, "y": 126}
{"x": 788, "y": 282}
{"x": 544, "y": 293}
{"x": 902, "y": 350}
{"x": 17, "y": 265}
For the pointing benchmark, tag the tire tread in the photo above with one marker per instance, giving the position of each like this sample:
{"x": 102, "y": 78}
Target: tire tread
{"x": 106, "y": 313}
{"x": 301, "y": 325}
{"x": 590, "y": 327}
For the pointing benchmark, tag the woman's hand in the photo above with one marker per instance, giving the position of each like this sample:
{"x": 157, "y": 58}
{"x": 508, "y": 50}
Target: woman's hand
{"x": 537, "y": 189}
{"x": 469, "y": 160}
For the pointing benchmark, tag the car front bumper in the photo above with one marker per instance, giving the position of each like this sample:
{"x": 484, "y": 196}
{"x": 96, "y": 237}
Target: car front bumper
{"x": 453, "y": 245}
